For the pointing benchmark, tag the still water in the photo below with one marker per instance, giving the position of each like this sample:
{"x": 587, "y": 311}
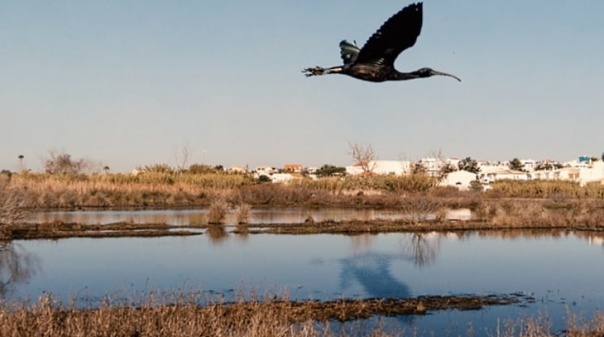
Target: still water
{"x": 184, "y": 217}
{"x": 564, "y": 272}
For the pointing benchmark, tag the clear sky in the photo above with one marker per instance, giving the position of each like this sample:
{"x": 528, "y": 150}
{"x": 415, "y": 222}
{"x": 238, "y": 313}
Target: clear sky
{"x": 131, "y": 83}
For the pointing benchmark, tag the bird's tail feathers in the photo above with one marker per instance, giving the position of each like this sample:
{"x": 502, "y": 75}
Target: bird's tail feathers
{"x": 348, "y": 52}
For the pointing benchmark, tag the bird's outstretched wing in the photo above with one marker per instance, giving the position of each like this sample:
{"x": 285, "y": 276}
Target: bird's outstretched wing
{"x": 348, "y": 52}
{"x": 396, "y": 34}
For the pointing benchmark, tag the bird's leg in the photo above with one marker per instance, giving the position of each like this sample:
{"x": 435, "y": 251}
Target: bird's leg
{"x": 318, "y": 71}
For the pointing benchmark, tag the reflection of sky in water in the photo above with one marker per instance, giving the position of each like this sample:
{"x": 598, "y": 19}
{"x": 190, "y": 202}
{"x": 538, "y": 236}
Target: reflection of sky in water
{"x": 564, "y": 272}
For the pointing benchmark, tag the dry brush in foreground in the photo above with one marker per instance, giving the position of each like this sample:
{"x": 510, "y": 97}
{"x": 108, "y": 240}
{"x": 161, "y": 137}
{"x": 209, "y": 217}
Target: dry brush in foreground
{"x": 256, "y": 318}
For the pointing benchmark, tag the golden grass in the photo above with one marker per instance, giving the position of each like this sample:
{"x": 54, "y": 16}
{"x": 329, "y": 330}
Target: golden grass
{"x": 181, "y": 315}
{"x": 545, "y": 189}
{"x": 161, "y": 190}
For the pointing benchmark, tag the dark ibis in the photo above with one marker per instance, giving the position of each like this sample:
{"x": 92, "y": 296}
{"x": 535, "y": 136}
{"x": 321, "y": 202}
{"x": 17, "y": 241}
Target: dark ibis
{"x": 375, "y": 61}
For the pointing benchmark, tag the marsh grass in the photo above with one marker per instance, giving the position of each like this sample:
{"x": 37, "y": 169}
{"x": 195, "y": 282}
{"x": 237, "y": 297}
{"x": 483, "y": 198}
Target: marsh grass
{"x": 178, "y": 314}
{"x": 541, "y": 213}
{"x": 217, "y": 211}
{"x": 15, "y": 202}
{"x": 545, "y": 189}
{"x": 243, "y": 214}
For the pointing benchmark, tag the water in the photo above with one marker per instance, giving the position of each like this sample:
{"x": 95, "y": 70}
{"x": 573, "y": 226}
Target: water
{"x": 183, "y": 217}
{"x": 564, "y": 272}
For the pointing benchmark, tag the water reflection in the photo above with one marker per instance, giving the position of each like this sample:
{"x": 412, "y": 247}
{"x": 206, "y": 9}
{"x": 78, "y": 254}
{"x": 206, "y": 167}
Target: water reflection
{"x": 422, "y": 248}
{"x": 558, "y": 268}
{"x": 257, "y": 216}
{"x": 17, "y": 266}
{"x": 373, "y": 272}
{"x": 217, "y": 234}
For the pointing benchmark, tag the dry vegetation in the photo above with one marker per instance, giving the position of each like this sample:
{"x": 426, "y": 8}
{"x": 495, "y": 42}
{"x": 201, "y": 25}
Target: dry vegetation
{"x": 180, "y": 315}
{"x": 508, "y": 205}
{"x": 183, "y": 315}
{"x": 537, "y": 205}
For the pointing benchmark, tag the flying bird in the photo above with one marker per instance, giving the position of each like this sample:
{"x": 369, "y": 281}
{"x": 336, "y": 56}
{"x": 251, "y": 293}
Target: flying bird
{"x": 375, "y": 61}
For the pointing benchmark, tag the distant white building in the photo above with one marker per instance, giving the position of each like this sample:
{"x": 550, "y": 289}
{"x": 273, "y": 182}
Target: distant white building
{"x": 528, "y": 165}
{"x": 500, "y": 174}
{"x": 459, "y": 179}
{"x": 433, "y": 166}
{"x": 396, "y": 167}
{"x": 576, "y": 171}
{"x": 282, "y": 177}
{"x": 592, "y": 174}
{"x": 486, "y": 166}
{"x": 566, "y": 173}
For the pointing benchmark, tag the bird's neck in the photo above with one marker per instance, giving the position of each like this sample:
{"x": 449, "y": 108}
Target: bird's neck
{"x": 398, "y": 76}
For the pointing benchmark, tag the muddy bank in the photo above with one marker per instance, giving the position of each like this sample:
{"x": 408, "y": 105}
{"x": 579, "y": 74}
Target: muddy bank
{"x": 346, "y": 310}
{"x": 59, "y": 230}
{"x": 393, "y": 226}
{"x": 187, "y": 317}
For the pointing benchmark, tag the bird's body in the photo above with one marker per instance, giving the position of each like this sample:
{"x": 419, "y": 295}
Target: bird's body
{"x": 375, "y": 61}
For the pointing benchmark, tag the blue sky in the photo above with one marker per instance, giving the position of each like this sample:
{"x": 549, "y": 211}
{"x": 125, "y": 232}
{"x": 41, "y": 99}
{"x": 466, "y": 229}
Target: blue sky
{"x": 131, "y": 83}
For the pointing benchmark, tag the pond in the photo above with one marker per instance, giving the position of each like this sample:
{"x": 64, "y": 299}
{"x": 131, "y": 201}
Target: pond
{"x": 564, "y": 272}
{"x": 184, "y": 217}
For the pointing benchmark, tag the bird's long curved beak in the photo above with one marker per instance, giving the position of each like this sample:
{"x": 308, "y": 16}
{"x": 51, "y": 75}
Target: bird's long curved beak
{"x": 434, "y": 72}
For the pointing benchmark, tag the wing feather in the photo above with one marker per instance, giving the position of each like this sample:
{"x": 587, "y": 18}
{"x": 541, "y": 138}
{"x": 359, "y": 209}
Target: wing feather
{"x": 394, "y": 36}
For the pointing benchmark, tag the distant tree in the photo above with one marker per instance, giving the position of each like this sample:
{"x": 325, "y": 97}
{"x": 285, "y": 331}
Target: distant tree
{"x": 418, "y": 168}
{"x": 544, "y": 166}
{"x": 516, "y": 165}
{"x": 62, "y": 163}
{"x": 593, "y": 159}
{"x": 264, "y": 179}
{"x": 602, "y": 156}
{"x": 446, "y": 169}
{"x": 201, "y": 169}
{"x": 330, "y": 171}
{"x": 469, "y": 164}
{"x": 21, "y": 157}
{"x": 182, "y": 158}
{"x": 363, "y": 155}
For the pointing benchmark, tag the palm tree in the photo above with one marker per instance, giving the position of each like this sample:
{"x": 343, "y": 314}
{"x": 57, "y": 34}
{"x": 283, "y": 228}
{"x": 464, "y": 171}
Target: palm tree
{"x": 21, "y": 157}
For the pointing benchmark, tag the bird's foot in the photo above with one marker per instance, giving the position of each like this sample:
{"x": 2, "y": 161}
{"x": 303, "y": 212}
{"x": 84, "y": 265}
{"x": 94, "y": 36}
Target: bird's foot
{"x": 316, "y": 71}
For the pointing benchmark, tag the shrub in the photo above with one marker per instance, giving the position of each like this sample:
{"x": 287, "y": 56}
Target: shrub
{"x": 217, "y": 212}
{"x": 242, "y": 214}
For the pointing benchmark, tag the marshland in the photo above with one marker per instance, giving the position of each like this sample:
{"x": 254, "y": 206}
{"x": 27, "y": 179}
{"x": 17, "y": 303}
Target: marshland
{"x": 218, "y": 254}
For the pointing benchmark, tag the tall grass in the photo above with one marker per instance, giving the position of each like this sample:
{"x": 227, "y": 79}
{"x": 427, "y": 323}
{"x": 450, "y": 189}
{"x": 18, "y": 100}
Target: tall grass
{"x": 166, "y": 189}
{"x": 183, "y": 317}
{"x": 15, "y": 201}
{"x": 545, "y": 189}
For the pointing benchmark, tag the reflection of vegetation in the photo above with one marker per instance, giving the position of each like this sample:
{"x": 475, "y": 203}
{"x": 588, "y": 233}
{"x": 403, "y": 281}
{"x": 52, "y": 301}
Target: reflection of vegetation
{"x": 422, "y": 248}
{"x": 16, "y": 266}
{"x": 217, "y": 234}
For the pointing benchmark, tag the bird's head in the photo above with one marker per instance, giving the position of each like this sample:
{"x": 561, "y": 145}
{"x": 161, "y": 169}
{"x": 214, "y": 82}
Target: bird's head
{"x": 429, "y": 72}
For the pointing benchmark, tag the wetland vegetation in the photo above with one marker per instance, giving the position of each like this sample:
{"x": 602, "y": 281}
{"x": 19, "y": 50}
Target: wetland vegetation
{"x": 552, "y": 206}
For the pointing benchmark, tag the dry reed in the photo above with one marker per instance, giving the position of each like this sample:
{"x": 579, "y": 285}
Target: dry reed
{"x": 181, "y": 315}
